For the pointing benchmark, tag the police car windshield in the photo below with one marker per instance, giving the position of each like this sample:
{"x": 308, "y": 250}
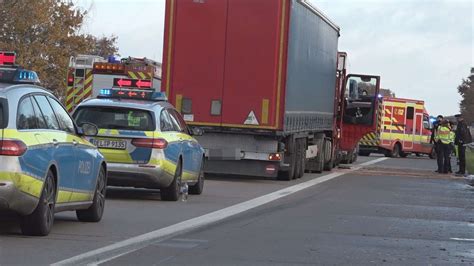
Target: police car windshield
{"x": 116, "y": 118}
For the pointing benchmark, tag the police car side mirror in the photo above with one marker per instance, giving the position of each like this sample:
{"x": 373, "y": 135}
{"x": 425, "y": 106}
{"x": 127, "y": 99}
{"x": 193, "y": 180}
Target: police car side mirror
{"x": 88, "y": 129}
{"x": 195, "y": 131}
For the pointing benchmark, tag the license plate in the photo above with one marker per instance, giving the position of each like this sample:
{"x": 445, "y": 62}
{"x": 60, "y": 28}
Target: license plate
{"x": 109, "y": 144}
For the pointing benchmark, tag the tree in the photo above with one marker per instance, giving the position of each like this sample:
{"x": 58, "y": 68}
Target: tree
{"x": 466, "y": 89}
{"x": 387, "y": 92}
{"x": 103, "y": 46}
{"x": 44, "y": 34}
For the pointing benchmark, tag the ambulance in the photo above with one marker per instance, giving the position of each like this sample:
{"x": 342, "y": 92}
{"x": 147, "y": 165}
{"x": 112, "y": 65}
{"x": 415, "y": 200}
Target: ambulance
{"x": 88, "y": 74}
{"x": 403, "y": 127}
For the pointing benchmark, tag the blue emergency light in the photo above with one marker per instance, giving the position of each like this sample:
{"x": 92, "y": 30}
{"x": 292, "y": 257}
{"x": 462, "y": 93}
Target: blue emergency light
{"x": 18, "y": 76}
{"x": 115, "y": 93}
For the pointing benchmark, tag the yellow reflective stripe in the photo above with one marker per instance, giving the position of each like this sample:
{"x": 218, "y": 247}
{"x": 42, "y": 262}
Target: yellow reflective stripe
{"x": 132, "y": 75}
{"x": 24, "y": 183}
{"x": 80, "y": 196}
{"x": 63, "y": 196}
{"x": 265, "y": 104}
{"x": 179, "y": 102}
{"x": 142, "y": 75}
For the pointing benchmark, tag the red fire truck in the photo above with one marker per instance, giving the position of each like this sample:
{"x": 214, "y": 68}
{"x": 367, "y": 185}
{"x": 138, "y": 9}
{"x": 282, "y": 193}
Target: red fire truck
{"x": 403, "y": 127}
{"x": 265, "y": 82}
{"x": 88, "y": 74}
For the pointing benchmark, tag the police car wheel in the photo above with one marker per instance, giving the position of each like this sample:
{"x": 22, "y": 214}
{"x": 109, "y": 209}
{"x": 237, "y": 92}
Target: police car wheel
{"x": 171, "y": 193}
{"x": 94, "y": 213}
{"x": 197, "y": 188}
{"x": 40, "y": 221}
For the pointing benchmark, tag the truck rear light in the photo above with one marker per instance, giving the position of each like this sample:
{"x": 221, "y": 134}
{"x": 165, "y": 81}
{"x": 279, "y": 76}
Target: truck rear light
{"x": 274, "y": 157}
{"x": 150, "y": 143}
{"x": 12, "y": 148}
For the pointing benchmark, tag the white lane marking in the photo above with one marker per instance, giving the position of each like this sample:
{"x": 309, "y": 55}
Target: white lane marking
{"x": 124, "y": 247}
{"x": 462, "y": 239}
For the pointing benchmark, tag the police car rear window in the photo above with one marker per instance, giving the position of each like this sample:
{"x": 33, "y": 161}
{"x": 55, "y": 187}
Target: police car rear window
{"x": 116, "y": 118}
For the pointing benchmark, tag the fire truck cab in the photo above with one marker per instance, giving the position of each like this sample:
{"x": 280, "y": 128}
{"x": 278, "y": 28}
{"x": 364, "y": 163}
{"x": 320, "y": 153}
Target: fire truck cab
{"x": 403, "y": 127}
{"x": 88, "y": 74}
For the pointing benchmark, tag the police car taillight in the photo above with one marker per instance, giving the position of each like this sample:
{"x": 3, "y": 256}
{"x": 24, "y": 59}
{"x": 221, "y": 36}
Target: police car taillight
{"x": 150, "y": 143}
{"x": 12, "y": 147}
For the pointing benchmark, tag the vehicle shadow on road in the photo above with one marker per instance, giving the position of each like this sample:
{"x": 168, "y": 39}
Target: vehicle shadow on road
{"x": 132, "y": 193}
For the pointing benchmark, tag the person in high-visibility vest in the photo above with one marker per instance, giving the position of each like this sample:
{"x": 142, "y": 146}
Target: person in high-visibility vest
{"x": 444, "y": 138}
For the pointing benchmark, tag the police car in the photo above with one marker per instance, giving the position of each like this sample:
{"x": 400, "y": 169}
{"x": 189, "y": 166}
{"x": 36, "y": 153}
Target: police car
{"x": 145, "y": 141}
{"x": 46, "y": 165}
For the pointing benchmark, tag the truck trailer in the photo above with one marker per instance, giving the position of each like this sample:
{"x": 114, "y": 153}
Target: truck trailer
{"x": 265, "y": 82}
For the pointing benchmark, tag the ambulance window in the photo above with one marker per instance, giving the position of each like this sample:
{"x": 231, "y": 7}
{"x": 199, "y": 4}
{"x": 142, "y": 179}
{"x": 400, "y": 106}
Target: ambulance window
{"x": 26, "y": 118}
{"x": 48, "y": 114}
{"x": 410, "y": 112}
{"x": 426, "y": 122}
{"x": 64, "y": 120}
{"x": 166, "y": 123}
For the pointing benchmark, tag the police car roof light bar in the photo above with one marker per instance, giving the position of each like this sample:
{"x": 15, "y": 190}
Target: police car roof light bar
{"x": 116, "y": 93}
{"x": 18, "y": 76}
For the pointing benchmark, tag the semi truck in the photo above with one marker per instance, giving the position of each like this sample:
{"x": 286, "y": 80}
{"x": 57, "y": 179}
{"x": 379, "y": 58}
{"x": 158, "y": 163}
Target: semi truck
{"x": 88, "y": 74}
{"x": 266, "y": 84}
{"x": 404, "y": 127}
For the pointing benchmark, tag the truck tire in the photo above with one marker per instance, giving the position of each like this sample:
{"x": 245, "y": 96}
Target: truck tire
{"x": 290, "y": 174}
{"x": 301, "y": 159}
{"x": 298, "y": 163}
{"x": 328, "y": 149}
{"x": 320, "y": 158}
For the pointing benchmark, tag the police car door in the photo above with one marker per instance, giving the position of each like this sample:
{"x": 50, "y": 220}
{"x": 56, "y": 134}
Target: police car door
{"x": 191, "y": 160}
{"x": 86, "y": 174}
{"x": 60, "y": 148}
{"x": 170, "y": 132}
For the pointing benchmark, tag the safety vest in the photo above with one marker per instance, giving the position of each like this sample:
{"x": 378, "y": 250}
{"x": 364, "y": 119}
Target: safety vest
{"x": 133, "y": 121}
{"x": 444, "y": 134}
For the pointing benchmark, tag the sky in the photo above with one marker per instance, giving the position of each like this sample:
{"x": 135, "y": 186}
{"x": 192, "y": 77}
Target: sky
{"x": 422, "y": 49}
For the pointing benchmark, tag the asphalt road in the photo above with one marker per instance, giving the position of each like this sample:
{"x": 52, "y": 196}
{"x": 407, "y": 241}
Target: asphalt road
{"x": 396, "y": 211}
